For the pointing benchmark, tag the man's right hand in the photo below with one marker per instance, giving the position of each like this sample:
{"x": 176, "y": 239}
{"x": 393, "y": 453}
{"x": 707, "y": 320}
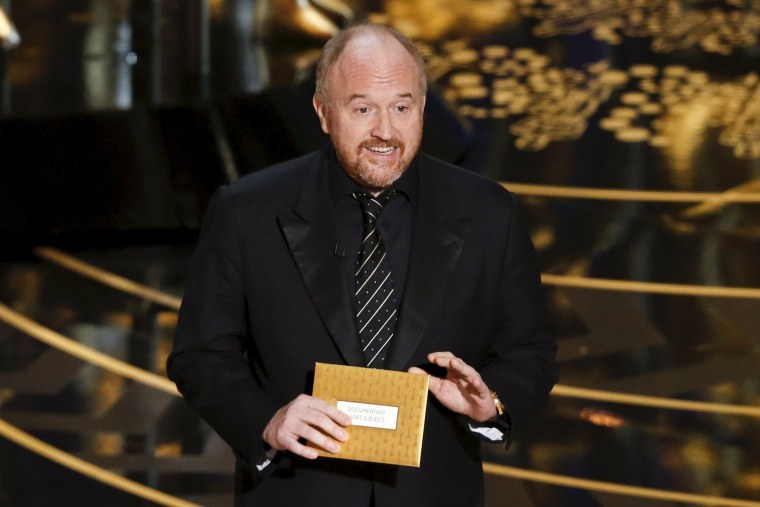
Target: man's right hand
{"x": 311, "y": 418}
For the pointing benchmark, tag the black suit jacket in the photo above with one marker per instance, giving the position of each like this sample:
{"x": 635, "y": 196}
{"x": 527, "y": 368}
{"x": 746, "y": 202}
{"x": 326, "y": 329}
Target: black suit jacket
{"x": 266, "y": 299}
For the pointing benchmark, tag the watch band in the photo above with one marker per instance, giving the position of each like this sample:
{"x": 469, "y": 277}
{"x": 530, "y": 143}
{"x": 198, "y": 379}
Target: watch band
{"x": 497, "y": 403}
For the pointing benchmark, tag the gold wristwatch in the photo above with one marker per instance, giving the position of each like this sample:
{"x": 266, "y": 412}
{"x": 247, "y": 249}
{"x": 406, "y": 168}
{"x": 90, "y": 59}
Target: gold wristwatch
{"x": 497, "y": 403}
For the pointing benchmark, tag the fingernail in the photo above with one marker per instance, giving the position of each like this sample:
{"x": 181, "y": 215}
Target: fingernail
{"x": 342, "y": 435}
{"x": 333, "y": 447}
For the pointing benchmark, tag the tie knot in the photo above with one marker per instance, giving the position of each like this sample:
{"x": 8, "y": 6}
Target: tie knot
{"x": 371, "y": 204}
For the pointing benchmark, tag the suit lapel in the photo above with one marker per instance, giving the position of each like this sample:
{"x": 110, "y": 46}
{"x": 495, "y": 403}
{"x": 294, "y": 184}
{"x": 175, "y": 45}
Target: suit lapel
{"x": 311, "y": 237}
{"x": 438, "y": 238}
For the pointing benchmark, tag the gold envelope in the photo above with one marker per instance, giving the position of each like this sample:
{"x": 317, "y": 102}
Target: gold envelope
{"x": 387, "y": 410}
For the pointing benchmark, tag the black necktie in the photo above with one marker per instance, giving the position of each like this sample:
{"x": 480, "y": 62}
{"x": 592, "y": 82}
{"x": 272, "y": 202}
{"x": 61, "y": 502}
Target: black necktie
{"x": 376, "y": 299}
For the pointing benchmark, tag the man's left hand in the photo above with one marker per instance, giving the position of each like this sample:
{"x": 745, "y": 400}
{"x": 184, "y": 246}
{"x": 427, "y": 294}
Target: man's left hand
{"x": 462, "y": 390}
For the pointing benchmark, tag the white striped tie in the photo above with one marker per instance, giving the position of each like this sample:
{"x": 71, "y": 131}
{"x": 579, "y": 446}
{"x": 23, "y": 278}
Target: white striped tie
{"x": 376, "y": 301}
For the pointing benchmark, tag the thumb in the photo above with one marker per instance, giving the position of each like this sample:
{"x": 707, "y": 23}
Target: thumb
{"x": 434, "y": 383}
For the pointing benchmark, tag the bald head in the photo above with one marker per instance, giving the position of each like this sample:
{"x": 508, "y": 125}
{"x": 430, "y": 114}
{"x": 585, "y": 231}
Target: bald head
{"x": 363, "y": 39}
{"x": 370, "y": 100}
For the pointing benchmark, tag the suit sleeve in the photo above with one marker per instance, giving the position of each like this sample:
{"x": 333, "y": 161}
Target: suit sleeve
{"x": 521, "y": 363}
{"x": 208, "y": 360}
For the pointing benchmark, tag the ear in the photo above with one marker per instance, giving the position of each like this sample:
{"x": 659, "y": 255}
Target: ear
{"x": 321, "y": 110}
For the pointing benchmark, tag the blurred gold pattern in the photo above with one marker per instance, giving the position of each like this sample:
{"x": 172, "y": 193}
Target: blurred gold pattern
{"x": 434, "y": 19}
{"x": 553, "y": 104}
{"x": 670, "y": 108}
{"x": 5, "y": 395}
{"x": 719, "y": 27}
{"x": 99, "y": 474}
{"x": 108, "y": 443}
{"x": 169, "y": 450}
{"x": 716, "y": 27}
{"x": 601, "y": 418}
{"x": 676, "y": 106}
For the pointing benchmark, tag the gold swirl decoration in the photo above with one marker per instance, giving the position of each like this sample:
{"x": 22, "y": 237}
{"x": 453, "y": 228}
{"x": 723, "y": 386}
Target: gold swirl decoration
{"x": 665, "y": 107}
{"x": 670, "y": 107}
{"x": 437, "y": 19}
{"x": 719, "y": 27}
{"x": 715, "y": 27}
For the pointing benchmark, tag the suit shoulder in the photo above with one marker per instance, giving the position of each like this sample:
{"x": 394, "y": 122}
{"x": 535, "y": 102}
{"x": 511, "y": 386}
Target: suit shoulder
{"x": 266, "y": 193}
{"x": 276, "y": 178}
{"x": 469, "y": 187}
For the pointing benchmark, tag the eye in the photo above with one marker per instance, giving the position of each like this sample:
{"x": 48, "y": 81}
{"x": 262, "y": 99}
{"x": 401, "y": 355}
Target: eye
{"x": 362, "y": 110}
{"x": 402, "y": 109}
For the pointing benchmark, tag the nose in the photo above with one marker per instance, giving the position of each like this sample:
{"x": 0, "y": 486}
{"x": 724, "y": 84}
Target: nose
{"x": 383, "y": 126}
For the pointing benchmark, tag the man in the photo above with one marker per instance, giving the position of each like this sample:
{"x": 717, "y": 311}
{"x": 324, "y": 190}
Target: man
{"x": 279, "y": 283}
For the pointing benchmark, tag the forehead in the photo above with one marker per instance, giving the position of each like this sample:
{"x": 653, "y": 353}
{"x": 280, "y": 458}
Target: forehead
{"x": 374, "y": 63}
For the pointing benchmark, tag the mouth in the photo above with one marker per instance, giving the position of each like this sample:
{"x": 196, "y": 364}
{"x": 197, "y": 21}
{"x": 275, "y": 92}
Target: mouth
{"x": 381, "y": 150}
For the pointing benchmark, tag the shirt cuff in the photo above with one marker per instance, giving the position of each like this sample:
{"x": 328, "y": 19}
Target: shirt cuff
{"x": 266, "y": 459}
{"x": 488, "y": 433}
{"x": 498, "y": 429}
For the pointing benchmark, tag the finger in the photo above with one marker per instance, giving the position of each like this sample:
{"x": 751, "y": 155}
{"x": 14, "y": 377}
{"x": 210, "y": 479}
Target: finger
{"x": 462, "y": 368}
{"x": 475, "y": 385}
{"x": 455, "y": 367}
{"x": 467, "y": 373}
{"x": 326, "y": 424}
{"x": 296, "y": 419}
{"x": 465, "y": 376}
{"x": 321, "y": 440}
{"x": 292, "y": 429}
{"x": 435, "y": 384}
{"x": 312, "y": 406}
{"x": 330, "y": 410}
{"x": 475, "y": 389}
{"x": 338, "y": 416}
{"x": 441, "y": 359}
{"x": 434, "y": 355}
{"x": 298, "y": 448}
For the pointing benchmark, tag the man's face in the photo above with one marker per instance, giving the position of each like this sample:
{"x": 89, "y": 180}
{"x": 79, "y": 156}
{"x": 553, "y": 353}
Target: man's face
{"x": 374, "y": 110}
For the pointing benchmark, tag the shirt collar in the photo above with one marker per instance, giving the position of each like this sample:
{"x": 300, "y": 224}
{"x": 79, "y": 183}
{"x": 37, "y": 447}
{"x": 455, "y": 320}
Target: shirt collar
{"x": 341, "y": 184}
